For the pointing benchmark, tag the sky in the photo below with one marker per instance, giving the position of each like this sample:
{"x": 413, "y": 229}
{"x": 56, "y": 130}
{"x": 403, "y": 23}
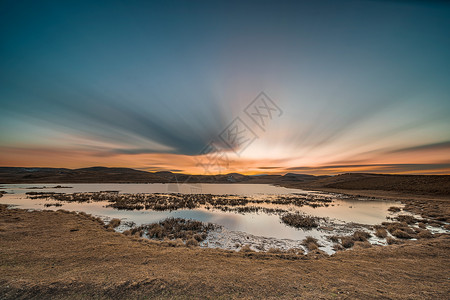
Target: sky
{"x": 183, "y": 86}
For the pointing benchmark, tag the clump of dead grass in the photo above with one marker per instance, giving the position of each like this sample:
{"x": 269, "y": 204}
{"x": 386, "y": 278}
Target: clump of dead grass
{"x": 246, "y": 248}
{"x": 299, "y": 221}
{"x": 173, "y": 243}
{"x": 273, "y": 250}
{"x": 400, "y": 228}
{"x": 311, "y": 243}
{"x": 347, "y": 241}
{"x": 407, "y": 219}
{"x": 177, "y": 228}
{"x": 394, "y": 209}
{"x": 425, "y": 234}
{"x": 364, "y": 244}
{"x": 392, "y": 241}
{"x": 191, "y": 243}
{"x": 114, "y": 223}
{"x": 401, "y": 234}
{"x": 361, "y": 236}
{"x": 381, "y": 232}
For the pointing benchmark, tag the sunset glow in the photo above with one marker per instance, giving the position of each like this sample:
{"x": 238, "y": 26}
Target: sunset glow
{"x": 130, "y": 87}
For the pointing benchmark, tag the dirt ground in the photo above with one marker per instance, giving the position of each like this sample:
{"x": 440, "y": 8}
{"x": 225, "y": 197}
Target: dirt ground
{"x": 56, "y": 255}
{"x": 415, "y": 185}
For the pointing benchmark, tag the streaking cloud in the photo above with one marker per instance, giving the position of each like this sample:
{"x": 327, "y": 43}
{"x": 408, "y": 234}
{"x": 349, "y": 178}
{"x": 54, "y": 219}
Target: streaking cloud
{"x": 149, "y": 86}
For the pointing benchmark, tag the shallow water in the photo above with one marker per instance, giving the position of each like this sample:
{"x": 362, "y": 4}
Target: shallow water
{"x": 203, "y": 188}
{"x": 254, "y": 227}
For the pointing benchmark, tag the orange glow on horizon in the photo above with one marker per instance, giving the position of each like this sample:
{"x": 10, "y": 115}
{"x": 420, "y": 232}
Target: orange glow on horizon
{"x": 69, "y": 158}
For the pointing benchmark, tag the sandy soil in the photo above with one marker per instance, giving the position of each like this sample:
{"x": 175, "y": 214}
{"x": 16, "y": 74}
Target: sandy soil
{"x": 48, "y": 255}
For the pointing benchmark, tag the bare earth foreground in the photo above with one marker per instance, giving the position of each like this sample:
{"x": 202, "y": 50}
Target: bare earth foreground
{"x": 49, "y": 255}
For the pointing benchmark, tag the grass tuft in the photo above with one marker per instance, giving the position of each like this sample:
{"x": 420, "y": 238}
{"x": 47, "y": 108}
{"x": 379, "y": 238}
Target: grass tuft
{"x": 114, "y": 223}
{"x": 401, "y": 234}
{"x": 191, "y": 243}
{"x": 299, "y": 221}
{"x": 361, "y": 236}
{"x": 311, "y": 243}
{"x": 347, "y": 241}
{"x": 381, "y": 232}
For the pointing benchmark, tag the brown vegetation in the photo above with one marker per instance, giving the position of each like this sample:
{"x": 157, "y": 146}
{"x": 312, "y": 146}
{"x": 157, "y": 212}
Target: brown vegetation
{"x": 432, "y": 185}
{"x": 401, "y": 234}
{"x": 114, "y": 223}
{"x": 173, "y": 201}
{"x": 311, "y": 243}
{"x": 406, "y": 219}
{"x": 347, "y": 241}
{"x": 394, "y": 209}
{"x": 358, "y": 237}
{"x": 174, "y": 228}
{"x": 424, "y": 234}
{"x": 361, "y": 236}
{"x": 380, "y": 232}
{"x": 392, "y": 241}
{"x": 299, "y": 221}
{"x": 42, "y": 258}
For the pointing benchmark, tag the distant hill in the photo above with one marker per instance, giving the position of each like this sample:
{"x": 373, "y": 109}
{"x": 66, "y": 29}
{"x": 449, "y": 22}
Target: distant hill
{"x": 84, "y": 175}
{"x": 301, "y": 177}
{"x": 412, "y": 184}
{"x": 107, "y": 175}
{"x": 127, "y": 175}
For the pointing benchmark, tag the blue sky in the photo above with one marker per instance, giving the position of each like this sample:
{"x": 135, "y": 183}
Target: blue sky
{"x": 363, "y": 85}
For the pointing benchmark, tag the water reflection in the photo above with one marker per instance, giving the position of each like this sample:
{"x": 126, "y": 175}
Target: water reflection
{"x": 258, "y": 224}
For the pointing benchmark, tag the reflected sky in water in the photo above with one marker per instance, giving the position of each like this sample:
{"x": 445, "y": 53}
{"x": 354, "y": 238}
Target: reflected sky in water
{"x": 258, "y": 224}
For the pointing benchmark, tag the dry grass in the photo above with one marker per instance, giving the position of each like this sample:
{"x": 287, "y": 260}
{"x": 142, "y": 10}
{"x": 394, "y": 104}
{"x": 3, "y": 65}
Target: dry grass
{"x": 42, "y": 259}
{"x": 163, "y": 202}
{"x": 299, "y": 221}
{"x": 246, "y": 248}
{"x": 392, "y": 241}
{"x": 422, "y": 225}
{"x": 274, "y": 250}
{"x": 394, "y": 226}
{"x": 52, "y": 204}
{"x": 361, "y": 236}
{"x": 424, "y": 234}
{"x": 114, "y": 223}
{"x": 347, "y": 241}
{"x": 175, "y": 228}
{"x": 338, "y": 247}
{"x": 363, "y": 245}
{"x": 406, "y": 219}
{"x": 394, "y": 209}
{"x": 381, "y": 232}
{"x": 192, "y": 243}
{"x": 334, "y": 238}
{"x": 401, "y": 234}
{"x": 173, "y": 243}
{"x": 311, "y": 243}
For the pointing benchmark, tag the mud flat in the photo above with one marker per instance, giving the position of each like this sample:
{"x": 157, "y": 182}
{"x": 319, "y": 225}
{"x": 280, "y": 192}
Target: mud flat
{"x": 56, "y": 254}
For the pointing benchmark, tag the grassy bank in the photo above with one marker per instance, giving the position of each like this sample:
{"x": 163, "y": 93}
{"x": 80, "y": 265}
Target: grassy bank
{"x": 65, "y": 255}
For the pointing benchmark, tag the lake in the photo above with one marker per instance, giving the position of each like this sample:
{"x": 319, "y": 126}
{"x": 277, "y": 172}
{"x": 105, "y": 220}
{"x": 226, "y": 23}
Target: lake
{"x": 251, "y": 227}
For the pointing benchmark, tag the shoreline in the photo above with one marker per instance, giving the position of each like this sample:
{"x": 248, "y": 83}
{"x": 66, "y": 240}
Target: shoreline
{"x": 68, "y": 255}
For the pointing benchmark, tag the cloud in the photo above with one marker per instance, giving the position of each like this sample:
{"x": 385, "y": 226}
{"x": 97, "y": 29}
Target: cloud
{"x": 385, "y": 168}
{"x": 425, "y": 147}
{"x": 106, "y": 116}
